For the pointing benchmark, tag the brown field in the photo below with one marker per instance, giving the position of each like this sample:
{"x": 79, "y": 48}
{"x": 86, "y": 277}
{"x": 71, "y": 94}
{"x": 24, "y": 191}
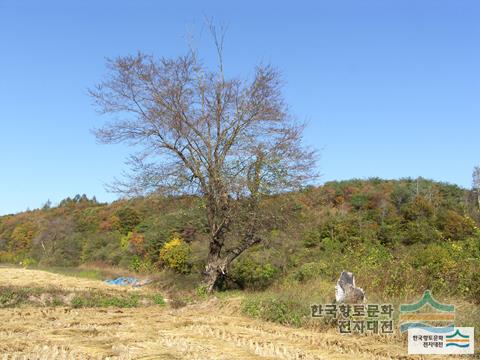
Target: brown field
{"x": 38, "y": 278}
{"x": 210, "y": 330}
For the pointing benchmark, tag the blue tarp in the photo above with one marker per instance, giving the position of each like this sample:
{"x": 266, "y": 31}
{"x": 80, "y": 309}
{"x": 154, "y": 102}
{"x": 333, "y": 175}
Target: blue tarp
{"x": 125, "y": 281}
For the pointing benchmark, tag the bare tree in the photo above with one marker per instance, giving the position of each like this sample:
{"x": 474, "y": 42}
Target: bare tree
{"x": 51, "y": 234}
{"x": 229, "y": 141}
{"x": 476, "y": 183}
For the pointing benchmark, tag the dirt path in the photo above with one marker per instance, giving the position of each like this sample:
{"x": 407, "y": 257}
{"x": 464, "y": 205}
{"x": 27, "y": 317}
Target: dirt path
{"x": 204, "y": 331}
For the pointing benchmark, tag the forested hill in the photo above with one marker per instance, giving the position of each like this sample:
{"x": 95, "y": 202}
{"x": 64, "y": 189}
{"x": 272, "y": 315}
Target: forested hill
{"x": 387, "y": 231}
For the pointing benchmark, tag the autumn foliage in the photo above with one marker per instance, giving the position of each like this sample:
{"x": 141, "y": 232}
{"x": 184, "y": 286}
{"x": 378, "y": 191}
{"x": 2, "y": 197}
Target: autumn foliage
{"x": 398, "y": 236}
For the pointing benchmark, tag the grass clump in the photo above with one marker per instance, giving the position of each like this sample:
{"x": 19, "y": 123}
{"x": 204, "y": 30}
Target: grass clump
{"x": 158, "y": 299}
{"x": 11, "y": 298}
{"x": 14, "y": 296}
{"x": 276, "y": 308}
{"x": 103, "y": 300}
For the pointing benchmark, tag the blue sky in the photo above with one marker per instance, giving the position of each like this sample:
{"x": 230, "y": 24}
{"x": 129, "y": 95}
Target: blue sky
{"x": 389, "y": 88}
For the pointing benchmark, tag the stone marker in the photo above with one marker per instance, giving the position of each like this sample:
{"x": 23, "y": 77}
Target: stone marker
{"x": 346, "y": 291}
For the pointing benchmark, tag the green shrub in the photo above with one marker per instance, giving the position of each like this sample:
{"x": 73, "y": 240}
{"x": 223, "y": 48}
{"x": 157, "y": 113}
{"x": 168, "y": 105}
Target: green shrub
{"x": 311, "y": 238}
{"x": 455, "y": 226}
{"x": 309, "y": 271}
{"x": 87, "y": 220}
{"x": 420, "y": 231}
{"x": 103, "y": 247}
{"x": 249, "y": 274}
{"x": 103, "y": 300}
{"x": 135, "y": 263}
{"x": 14, "y": 296}
{"x": 158, "y": 299}
{"x": 11, "y": 298}
{"x": 141, "y": 265}
{"x": 26, "y": 262}
{"x": 400, "y": 280}
{"x": 400, "y": 195}
{"x": 474, "y": 290}
{"x": 438, "y": 267}
{"x": 65, "y": 252}
{"x": 202, "y": 291}
{"x": 128, "y": 218}
{"x": 359, "y": 201}
{"x": 146, "y": 266}
{"x": 7, "y": 257}
{"x": 278, "y": 309}
{"x": 419, "y": 208}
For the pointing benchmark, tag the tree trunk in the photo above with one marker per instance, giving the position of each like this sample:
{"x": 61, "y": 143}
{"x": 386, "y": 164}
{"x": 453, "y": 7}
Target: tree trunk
{"x": 212, "y": 274}
{"x": 214, "y": 270}
{"x": 217, "y": 265}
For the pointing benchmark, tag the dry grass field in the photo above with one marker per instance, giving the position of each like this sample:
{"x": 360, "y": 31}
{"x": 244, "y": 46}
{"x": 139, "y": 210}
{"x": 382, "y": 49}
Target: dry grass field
{"x": 209, "y": 330}
{"x": 37, "y": 278}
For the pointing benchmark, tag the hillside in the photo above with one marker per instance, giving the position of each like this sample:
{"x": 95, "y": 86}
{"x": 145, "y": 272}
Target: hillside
{"x": 399, "y": 237}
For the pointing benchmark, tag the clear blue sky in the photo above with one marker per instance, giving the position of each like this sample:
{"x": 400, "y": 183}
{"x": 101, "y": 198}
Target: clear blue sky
{"x": 390, "y": 88}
